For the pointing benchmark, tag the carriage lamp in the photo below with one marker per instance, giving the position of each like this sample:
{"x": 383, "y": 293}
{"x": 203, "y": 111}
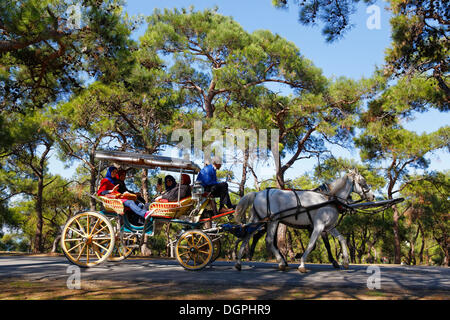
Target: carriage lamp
{"x": 197, "y": 191}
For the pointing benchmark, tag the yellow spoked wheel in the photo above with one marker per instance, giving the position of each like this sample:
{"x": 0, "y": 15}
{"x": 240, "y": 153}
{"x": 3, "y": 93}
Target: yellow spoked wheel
{"x": 123, "y": 249}
{"x": 194, "y": 250}
{"x": 88, "y": 239}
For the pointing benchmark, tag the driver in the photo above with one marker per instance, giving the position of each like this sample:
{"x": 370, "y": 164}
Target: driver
{"x": 207, "y": 177}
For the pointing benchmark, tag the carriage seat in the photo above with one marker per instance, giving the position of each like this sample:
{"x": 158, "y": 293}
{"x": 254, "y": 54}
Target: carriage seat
{"x": 112, "y": 205}
{"x": 157, "y": 209}
{"x": 171, "y": 209}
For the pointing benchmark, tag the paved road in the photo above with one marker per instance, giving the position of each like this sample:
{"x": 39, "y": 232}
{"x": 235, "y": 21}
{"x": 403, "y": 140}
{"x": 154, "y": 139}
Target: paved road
{"x": 221, "y": 272}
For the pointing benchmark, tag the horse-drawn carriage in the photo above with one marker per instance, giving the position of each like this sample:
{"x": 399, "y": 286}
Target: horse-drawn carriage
{"x": 90, "y": 238}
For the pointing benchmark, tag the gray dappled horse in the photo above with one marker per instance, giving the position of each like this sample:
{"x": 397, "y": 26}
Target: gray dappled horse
{"x": 287, "y": 206}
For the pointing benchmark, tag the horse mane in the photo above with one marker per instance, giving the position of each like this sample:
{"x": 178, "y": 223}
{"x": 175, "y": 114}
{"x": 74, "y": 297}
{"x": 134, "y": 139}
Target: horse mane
{"x": 337, "y": 184}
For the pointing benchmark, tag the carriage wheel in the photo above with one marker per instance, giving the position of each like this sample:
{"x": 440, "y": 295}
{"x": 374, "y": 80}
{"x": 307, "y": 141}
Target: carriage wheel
{"x": 194, "y": 250}
{"x": 88, "y": 239}
{"x": 123, "y": 249}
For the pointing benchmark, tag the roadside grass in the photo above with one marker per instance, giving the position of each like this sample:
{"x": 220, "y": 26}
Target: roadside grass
{"x": 22, "y": 289}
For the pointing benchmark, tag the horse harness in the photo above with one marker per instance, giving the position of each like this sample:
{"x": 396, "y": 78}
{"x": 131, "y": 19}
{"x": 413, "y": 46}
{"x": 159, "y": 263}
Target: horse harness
{"x": 299, "y": 209}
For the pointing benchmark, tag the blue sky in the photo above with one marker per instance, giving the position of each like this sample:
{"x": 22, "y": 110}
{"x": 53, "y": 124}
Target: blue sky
{"x": 355, "y": 56}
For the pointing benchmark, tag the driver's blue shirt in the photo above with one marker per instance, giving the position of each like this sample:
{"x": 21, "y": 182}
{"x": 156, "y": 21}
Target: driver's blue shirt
{"x": 207, "y": 176}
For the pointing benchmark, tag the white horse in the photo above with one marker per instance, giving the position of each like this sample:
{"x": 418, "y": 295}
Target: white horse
{"x": 286, "y": 206}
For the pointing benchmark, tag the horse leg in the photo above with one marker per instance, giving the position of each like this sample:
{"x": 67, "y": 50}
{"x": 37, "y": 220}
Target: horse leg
{"x": 255, "y": 240}
{"x": 312, "y": 241}
{"x": 236, "y": 246}
{"x": 310, "y": 231}
{"x": 327, "y": 246}
{"x": 341, "y": 239}
{"x": 245, "y": 240}
{"x": 330, "y": 255}
{"x": 270, "y": 240}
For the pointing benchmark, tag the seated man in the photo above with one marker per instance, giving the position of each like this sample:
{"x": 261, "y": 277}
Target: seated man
{"x": 108, "y": 188}
{"x": 208, "y": 178}
{"x": 184, "y": 188}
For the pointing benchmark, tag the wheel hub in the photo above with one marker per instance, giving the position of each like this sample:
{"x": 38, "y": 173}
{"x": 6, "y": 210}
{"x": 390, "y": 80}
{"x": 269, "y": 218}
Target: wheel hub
{"x": 87, "y": 240}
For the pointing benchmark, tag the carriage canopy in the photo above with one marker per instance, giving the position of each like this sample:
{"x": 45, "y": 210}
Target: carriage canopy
{"x": 147, "y": 161}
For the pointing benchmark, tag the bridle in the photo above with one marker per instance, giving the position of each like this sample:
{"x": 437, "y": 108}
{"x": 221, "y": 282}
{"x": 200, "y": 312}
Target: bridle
{"x": 364, "y": 190}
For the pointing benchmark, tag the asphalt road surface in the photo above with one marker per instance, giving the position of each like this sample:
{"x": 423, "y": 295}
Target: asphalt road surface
{"x": 388, "y": 277}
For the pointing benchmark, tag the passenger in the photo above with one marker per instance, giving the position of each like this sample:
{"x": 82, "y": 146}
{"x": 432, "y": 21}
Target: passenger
{"x": 208, "y": 178}
{"x": 108, "y": 182}
{"x": 123, "y": 188}
{"x": 184, "y": 188}
{"x": 159, "y": 187}
{"x": 121, "y": 173}
{"x": 169, "y": 183}
{"x": 109, "y": 188}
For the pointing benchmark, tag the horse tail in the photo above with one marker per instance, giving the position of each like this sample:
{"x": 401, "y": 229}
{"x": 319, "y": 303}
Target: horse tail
{"x": 245, "y": 202}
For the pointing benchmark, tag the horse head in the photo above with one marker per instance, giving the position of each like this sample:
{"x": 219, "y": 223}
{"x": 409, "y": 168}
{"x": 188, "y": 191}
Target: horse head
{"x": 360, "y": 185}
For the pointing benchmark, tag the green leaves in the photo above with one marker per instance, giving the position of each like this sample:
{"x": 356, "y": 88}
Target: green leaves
{"x": 43, "y": 56}
{"x": 420, "y": 42}
{"x": 215, "y": 59}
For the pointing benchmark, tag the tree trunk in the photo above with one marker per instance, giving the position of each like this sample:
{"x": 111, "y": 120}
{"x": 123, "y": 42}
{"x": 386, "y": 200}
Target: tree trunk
{"x": 395, "y": 227}
{"x": 92, "y": 182}
{"x": 290, "y": 251}
{"x": 443, "y": 243}
{"x": 37, "y": 247}
{"x": 281, "y": 238}
{"x": 446, "y": 258}
{"x": 370, "y": 246}
{"x": 281, "y": 231}
{"x": 280, "y": 179}
{"x": 413, "y": 249}
{"x": 55, "y": 243}
{"x": 209, "y": 107}
{"x": 40, "y": 172}
{"x": 299, "y": 237}
{"x": 169, "y": 247}
{"x": 144, "y": 185}
{"x": 244, "y": 174}
{"x": 362, "y": 248}
{"x": 145, "y": 250}
{"x": 352, "y": 248}
{"x": 422, "y": 247}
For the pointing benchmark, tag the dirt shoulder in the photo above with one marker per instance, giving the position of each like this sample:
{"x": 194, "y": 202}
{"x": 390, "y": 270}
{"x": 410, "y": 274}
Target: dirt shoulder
{"x": 21, "y": 289}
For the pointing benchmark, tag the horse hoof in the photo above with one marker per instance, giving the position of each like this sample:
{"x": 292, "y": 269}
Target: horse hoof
{"x": 336, "y": 265}
{"x": 302, "y": 270}
{"x": 345, "y": 266}
{"x": 238, "y": 266}
{"x": 282, "y": 267}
